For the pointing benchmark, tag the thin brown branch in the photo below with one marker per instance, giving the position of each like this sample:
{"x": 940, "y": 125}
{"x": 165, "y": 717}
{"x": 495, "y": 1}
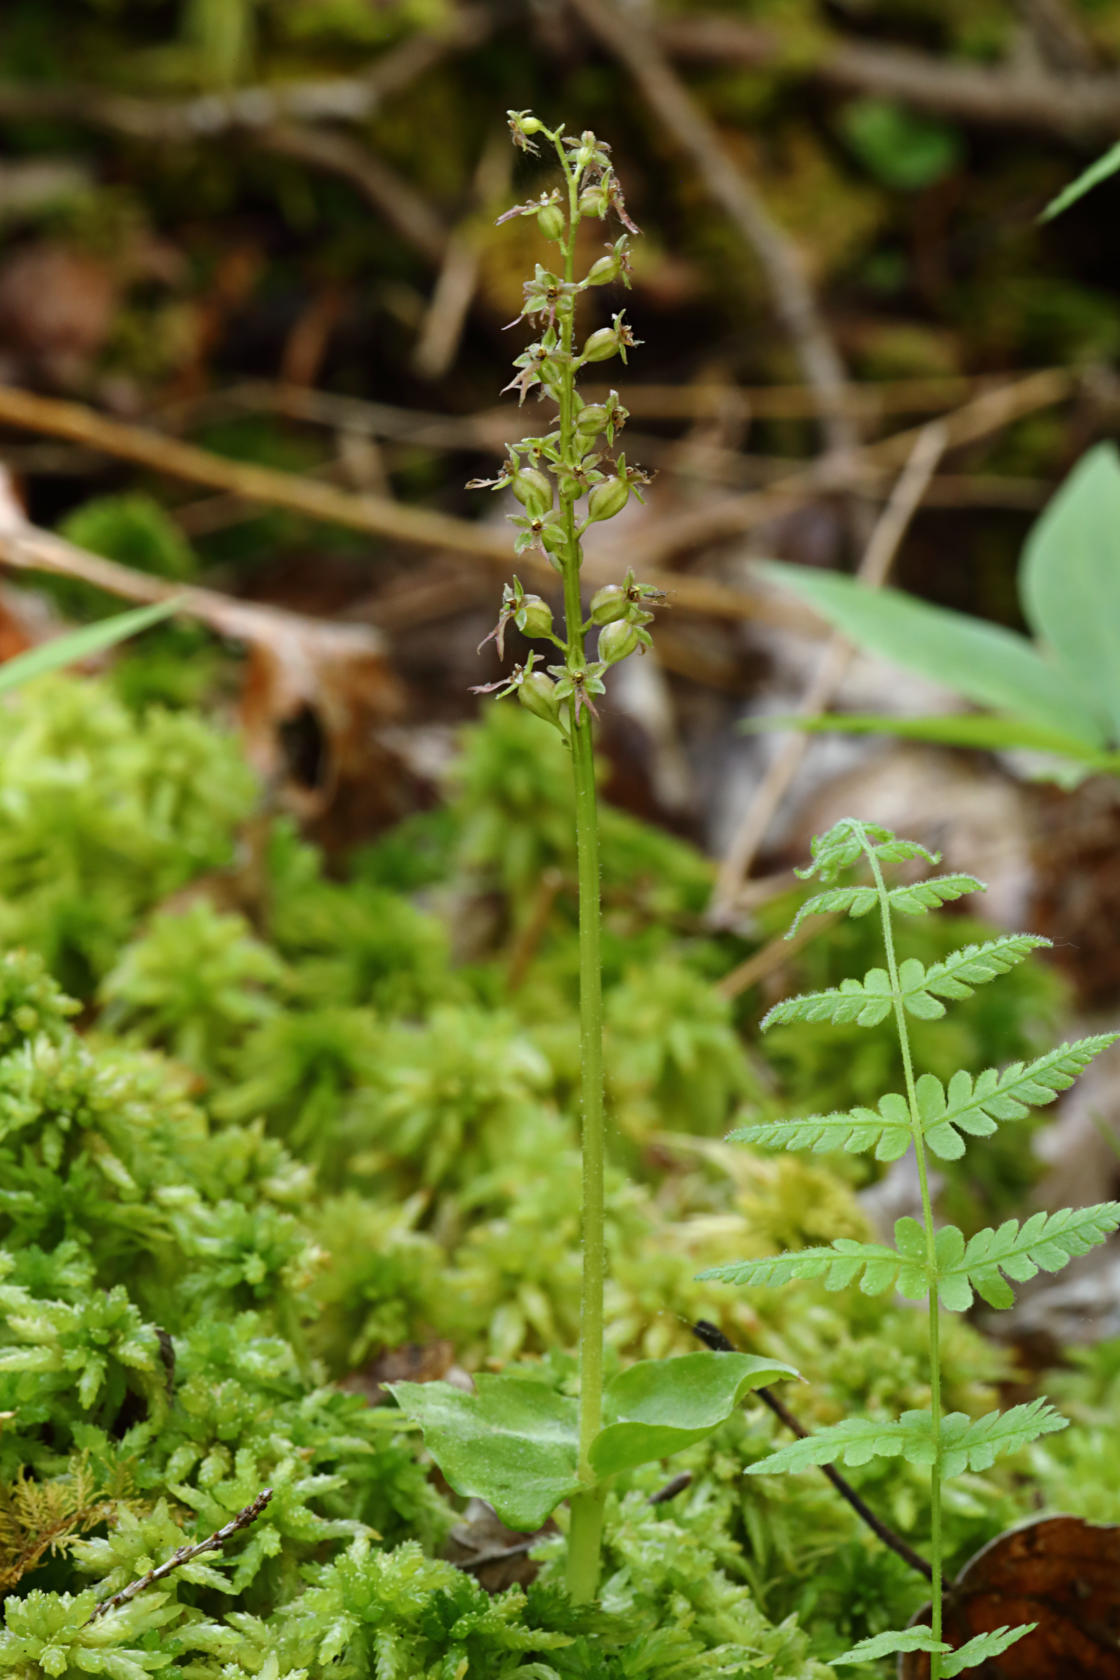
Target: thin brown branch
{"x": 837, "y": 656}
{"x": 714, "y": 1338}
{"x": 791, "y": 294}
{"x": 719, "y": 520}
{"x": 1079, "y": 107}
{"x": 373, "y": 514}
{"x": 185, "y": 1554}
{"x": 389, "y": 193}
{"x": 772, "y": 957}
{"x": 27, "y": 548}
{"x": 248, "y": 109}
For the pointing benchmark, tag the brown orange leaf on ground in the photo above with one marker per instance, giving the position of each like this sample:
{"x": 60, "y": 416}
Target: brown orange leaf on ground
{"x": 1061, "y": 1572}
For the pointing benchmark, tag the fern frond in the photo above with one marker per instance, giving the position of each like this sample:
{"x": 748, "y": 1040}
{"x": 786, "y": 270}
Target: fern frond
{"x": 974, "y": 1105}
{"x": 975, "y": 1444}
{"x": 851, "y": 901}
{"x": 842, "y": 1262}
{"x": 930, "y": 894}
{"x": 958, "y": 974}
{"x": 848, "y": 840}
{"x": 863, "y": 1003}
{"x": 1046, "y": 1242}
{"x": 888, "y": 1132}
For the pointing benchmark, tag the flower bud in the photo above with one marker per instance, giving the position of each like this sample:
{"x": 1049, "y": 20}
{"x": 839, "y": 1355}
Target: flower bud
{"x": 608, "y": 498}
{"x": 537, "y": 693}
{"x": 592, "y": 420}
{"x": 534, "y": 616}
{"x": 533, "y": 490}
{"x": 609, "y": 604}
{"x": 617, "y": 640}
{"x": 551, "y": 221}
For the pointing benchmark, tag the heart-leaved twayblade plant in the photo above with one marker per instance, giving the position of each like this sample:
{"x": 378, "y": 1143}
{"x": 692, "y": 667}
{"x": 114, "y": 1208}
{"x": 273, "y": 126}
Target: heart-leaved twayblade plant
{"x": 928, "y": 1261}
{"x": 515, "y": 1441}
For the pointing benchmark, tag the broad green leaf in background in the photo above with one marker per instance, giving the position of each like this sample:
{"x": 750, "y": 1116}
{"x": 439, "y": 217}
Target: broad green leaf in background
{"x": 80, "y": 644}
{"x": 658, "y": 1406}
{"x": 985, "y": 663}
{"x": 984, "y": 731}
{"x": 513, "y": 1443}
{"x": 1069, "y": 581}
{"x": 1089, "y": 178}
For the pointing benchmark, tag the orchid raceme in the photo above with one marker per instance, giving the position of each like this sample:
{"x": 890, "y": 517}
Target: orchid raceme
{"x": 926, "y": 1262}
{"x": 517, "y": 1443}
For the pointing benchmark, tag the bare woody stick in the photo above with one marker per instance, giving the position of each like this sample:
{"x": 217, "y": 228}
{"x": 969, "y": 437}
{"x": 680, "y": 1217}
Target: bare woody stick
{"x": 837, "y": 656}
{"x": 185, "y": 1554}
{"x": 714, "y": 1338}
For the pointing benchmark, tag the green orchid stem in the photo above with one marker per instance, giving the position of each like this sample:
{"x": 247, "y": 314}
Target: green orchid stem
{"x": 585, "y": 1535}
{"x": 931, "y": 1259}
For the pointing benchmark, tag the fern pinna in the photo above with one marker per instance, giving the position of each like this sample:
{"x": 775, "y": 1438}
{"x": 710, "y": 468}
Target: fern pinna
{"x": 927, "y": 1261}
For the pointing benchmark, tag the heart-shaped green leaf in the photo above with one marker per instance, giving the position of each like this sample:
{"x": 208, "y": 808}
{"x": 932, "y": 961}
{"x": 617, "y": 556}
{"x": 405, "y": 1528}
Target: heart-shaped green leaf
{"x": 658, "y": 1406}
{"x": 513, "y": 1443}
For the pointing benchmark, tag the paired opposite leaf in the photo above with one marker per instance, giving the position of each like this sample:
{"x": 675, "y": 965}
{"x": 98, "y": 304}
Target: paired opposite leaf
{"x": 972, "y": 1104}
{"x": 515, "y": 1443}
{"x": 978, "y": 1650}
{"x": 1045, "y": 1242}
{"x": 913, "y": 900}
{"x": 965, "y": 1444}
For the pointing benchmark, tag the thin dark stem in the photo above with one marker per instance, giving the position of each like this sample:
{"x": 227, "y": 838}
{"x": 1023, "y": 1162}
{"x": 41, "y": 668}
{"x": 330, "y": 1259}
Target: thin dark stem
{"x": 185, "y": 1554}
{"x": 714, "y": 1338}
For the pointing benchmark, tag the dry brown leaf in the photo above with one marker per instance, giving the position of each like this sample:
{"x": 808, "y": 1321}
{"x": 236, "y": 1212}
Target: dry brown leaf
{"x": 1061, "y": 1572}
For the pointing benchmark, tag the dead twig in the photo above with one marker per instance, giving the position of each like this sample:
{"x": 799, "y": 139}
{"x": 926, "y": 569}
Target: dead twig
{"x": 389, "y": 193}
{"x": 719, "y": 520}
{"x": 211, "y": 115}
{"x": 714, "y": 1338}
{"x": 1080, "y": 107}
{"x": 185, "y": 1554}
{"x": 376, "y": 515}
{"x": 438, "y": 341}
{"x": 772, "y": 958}
{"x": 835, "y": 660}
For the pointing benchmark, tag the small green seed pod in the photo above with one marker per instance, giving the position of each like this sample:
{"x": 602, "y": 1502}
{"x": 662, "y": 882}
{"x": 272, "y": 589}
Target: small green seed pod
{"x": 608, "y": 498}
{"x": 592, "y": 420}
{"x": 601, "y": 346}
{"x": 533, "y": 490}
{"x": 616, "y": 641}
{"x": 537, "y": 693}
{"x": 602, "y": 272}
{"x": 551, "y": 222}
{"x": 593, "y": 201}
{"x": 609, "y": 604}
{"x": 534, "y": 616}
